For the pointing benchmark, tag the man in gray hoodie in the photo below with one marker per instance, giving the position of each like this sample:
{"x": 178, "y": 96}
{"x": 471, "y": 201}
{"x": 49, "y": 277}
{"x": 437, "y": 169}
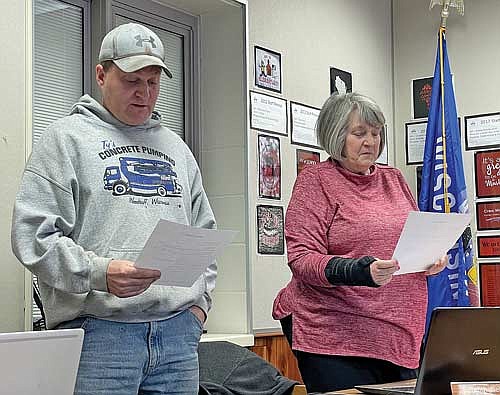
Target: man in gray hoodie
{"x": 96, "y": 184}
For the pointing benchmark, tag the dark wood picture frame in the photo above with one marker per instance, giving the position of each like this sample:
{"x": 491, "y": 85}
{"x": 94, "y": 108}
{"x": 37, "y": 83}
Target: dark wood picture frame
{"x": 270, "y": 230}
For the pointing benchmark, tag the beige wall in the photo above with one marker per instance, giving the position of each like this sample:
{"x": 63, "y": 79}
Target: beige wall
{"x": 12, "y": 155}
{"x": 311, "y": 36}
{"x": 224, "y": 161}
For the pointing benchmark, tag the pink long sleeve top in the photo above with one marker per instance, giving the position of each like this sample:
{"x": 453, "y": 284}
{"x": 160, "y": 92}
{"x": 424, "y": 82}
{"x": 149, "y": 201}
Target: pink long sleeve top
{"x": 334, "y": 212}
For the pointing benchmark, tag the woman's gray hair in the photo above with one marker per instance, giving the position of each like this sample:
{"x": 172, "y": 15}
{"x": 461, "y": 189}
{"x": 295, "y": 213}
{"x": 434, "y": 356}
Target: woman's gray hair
{"x": 335, "y": 116}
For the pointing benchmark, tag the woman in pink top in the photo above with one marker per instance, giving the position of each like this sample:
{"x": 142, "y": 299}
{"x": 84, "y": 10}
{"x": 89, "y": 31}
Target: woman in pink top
{"x": 347, "y": 317}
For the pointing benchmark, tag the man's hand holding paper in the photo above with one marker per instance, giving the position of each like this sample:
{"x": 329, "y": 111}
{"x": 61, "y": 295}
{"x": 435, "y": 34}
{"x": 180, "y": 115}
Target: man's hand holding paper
{"x": 182, "y": 253}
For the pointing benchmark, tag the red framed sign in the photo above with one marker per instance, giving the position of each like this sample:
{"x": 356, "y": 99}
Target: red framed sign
{"x": 487, "y": 173}
{"x": 488, "y": 246}
{"x": 488, "y": 215}
{"x": 490, "y": 283}
{"x": 306, "y": 158}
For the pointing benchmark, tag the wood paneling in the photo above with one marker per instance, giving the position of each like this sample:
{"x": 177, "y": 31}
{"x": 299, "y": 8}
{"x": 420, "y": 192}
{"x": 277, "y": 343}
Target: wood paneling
{"x": 274, "y": 348}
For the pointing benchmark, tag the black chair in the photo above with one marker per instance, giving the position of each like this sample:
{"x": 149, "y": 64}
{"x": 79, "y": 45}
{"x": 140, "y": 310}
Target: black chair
{"x": 227, "y": 369}
{"x": 39, "y": 323}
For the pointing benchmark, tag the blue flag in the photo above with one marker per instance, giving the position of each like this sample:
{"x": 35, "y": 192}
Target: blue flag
{"x": 451, "y": 286}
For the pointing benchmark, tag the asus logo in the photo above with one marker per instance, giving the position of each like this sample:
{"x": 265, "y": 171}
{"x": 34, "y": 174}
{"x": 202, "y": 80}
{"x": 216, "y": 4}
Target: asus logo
{"x": 480, "y": 351}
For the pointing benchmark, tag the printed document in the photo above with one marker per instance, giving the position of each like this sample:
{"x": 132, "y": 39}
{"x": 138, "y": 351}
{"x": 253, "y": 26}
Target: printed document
{"x": 181, "y": 252}
{"x": 426, "y": 237}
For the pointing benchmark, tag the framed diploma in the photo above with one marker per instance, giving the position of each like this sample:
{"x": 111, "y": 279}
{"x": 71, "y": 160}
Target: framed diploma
{"x": 269, "y": 167}
{"x": 487, "y": 173}
{"x": 488, "y": 215}
{"x": 268, "y": 113}
{"x": 482, "y": 131}
{"x": 306, "y": 158}
{"x": 303, "y": 124}
{"x": 488, "y": 246}
{"x": 415, "y": 142}
{"x": 267, "y": 69}
{"x": 270, "y": 233}
{"x": 489, "y": 273}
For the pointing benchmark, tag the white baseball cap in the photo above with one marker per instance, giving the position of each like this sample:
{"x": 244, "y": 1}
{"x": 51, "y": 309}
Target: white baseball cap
{"x": 132, "y": 47}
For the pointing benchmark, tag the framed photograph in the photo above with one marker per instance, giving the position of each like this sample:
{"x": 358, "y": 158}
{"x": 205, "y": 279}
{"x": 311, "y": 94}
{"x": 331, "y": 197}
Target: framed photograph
{"x": 488, "y": 246}
{"x": 267, "y": 69}
{"x": 306, "y": 158}
{"x": 415, "y": 142}
{"x": 340, "y": 81}
{"x": 488, "y": 215}
{"x": 269, "y": 167}
{"x": 487, "y": 173}
{"x": 421, "y": 90}
{"x": 303, "y": 124}
{"x": 489, "y": 274}
{"x": 268, "y": 113}
{"x": 270, "y": 231}
{"x": 482, "y": 131}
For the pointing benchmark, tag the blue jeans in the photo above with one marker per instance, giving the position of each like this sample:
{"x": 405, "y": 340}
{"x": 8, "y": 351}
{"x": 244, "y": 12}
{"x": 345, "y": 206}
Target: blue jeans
{"x": 158, "y": 357}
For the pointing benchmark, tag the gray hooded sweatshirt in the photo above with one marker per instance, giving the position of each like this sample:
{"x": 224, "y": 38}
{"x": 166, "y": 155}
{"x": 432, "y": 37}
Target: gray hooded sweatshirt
{"x": 93, "y": 190}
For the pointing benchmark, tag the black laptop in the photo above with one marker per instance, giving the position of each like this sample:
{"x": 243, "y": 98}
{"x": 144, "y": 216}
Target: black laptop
{"x": 463, "y": 344}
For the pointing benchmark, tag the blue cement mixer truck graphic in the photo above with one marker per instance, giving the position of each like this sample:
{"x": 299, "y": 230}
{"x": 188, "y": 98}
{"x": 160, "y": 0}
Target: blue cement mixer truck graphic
{"x": 142, "y": 176}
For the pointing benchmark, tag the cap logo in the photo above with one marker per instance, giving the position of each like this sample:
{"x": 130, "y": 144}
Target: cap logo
{"x": 140, "y": 40}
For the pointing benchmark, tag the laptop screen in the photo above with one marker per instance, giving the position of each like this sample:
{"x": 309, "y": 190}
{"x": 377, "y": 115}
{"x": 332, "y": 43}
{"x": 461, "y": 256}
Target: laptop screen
{"x": 42, "y": 363}
{"x": 463, "y": 344}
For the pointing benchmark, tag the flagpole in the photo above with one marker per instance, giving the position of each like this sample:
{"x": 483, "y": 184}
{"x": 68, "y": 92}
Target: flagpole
{"x": 442, "y": 30}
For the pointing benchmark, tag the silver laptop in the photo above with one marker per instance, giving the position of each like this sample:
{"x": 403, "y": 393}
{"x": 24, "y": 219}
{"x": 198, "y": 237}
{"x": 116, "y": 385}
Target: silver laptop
{"x": 463, "y": 344}
{"x": 41, "y": 363}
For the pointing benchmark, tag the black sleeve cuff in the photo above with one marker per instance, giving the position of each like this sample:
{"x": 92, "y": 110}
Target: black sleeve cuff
{"x": 350, "y": 271}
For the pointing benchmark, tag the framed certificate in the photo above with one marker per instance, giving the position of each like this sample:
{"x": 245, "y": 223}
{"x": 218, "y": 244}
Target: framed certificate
{"x": 268, "y": 113}
{"x": 489, "y": 274}
{"x": 482, "y": 131}
{"x": 488, "y": 215}
{"x": 488, "y": 246}
{"x": 415, "y": 142}
{"x": 303, "y": 124}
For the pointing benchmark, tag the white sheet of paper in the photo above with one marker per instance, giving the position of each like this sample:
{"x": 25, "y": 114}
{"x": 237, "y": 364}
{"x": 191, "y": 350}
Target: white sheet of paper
{"x": 181, "y": 252}
{"x": 426, "y": 237}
